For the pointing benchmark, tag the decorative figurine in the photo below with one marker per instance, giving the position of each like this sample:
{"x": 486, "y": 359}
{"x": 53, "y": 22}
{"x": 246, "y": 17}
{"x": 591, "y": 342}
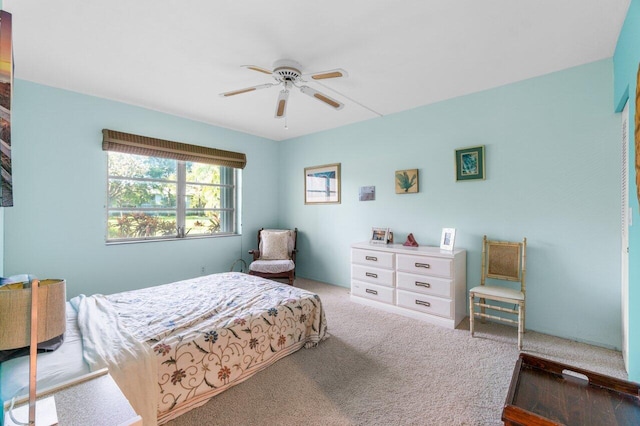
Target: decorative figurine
{"x": 411, "y": 242}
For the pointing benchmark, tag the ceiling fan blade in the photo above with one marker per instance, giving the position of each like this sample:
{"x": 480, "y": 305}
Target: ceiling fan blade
{"x": 337, "y": 73}
{"x": 321, "y": 97}
{"x": 247, "y": 89}
{"x": 281, "y": 105}
{"x": 257, "y": 68}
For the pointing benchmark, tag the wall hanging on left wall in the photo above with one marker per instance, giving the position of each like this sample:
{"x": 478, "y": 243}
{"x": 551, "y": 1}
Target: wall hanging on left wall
{"x": 6, "y": 85}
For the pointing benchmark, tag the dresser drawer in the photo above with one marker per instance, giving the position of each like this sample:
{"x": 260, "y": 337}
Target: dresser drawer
{"x": 427, "y": 304}
{"x": 424, "y": 265}
{"x": 378, "y": 259}
{"x": 373, "y": 275}
{"x": 423, "y": 284}
{"x": 372, "y": 291}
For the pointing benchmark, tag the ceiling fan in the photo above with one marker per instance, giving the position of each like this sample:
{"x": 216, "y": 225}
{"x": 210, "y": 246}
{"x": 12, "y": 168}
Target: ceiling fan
{"x": 286, "y": 72}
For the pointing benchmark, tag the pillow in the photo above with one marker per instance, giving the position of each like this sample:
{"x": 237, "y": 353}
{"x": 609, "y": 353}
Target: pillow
{"x": 275, "y": 245}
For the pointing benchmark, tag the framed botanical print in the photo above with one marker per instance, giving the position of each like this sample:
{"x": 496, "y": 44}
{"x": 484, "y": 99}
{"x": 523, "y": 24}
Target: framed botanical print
{"x": 407, "y": 181}
{"x": 470, "y": 163}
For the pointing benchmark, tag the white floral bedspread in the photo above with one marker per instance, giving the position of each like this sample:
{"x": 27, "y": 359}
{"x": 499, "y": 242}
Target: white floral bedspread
{"x": 212, "y": 332}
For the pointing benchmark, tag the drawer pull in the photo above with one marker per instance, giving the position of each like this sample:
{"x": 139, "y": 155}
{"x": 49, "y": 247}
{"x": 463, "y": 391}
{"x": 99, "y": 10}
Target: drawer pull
{"x": 422, "y": 265}
{"x": 419, "y": 284}
{"x": 372, "y": 292}
{"x": 420, "y": 302}
{"x": 373, "y": 258}
{"x": 371, "y": 274}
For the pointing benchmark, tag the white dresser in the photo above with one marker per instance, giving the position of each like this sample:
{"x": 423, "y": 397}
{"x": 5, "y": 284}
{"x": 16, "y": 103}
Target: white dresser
{"x": 425, "y": 283}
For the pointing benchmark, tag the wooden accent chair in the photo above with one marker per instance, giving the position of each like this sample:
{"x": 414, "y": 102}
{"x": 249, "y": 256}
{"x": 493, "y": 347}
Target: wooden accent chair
{"x": 501, "y": 260}
{"x": 276, "y": 254}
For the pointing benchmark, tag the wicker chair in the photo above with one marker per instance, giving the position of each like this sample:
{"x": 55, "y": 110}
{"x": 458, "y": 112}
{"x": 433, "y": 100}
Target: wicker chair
{"x": 276, "y": 254}
{"x": 501, "y": 261}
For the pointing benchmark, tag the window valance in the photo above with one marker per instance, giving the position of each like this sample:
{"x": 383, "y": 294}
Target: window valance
{"x": 152, "y": 147}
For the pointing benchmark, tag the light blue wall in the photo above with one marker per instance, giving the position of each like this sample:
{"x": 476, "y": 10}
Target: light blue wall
{"x": 57, "y": 226}
{"x": 552, "y": 150}
{"x": 625, "y": 60}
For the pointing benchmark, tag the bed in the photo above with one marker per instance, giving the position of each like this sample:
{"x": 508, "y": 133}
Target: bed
{"x": 172, "y": 347}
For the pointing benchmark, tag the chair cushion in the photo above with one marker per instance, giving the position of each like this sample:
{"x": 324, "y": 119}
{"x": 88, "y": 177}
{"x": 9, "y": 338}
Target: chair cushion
{"x": 272, "y": 266}
{"x": 275, "y": 245}
{"x": 490, "y": 291}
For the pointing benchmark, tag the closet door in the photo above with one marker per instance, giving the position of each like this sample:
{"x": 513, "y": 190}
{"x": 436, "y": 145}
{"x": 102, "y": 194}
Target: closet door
{"x": 624, "y": 247}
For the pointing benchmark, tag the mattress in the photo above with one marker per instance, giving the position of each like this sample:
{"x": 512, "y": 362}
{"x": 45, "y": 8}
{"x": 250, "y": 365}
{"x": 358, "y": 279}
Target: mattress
{"x": 206, "y": 335}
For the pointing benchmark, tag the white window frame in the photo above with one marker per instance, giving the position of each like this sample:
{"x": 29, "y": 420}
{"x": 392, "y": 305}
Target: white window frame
{"x": 228, "y": 215}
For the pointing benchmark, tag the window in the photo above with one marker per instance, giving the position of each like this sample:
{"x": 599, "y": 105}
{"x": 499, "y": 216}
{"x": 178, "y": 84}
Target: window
{"x": 160, "y": 198}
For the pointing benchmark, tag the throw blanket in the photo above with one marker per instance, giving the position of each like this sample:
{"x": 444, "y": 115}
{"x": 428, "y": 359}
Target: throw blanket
{"x": 107, "y": 343}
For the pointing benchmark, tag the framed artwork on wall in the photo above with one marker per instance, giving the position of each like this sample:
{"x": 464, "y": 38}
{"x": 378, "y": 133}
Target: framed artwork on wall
{"x": 379, "y": 235}
{"x": 407, "y": 181}
{"x": 6, "y": 89}
{"x": 322, "y": 184}
{"x": 470, "y": 163}
{"x": 367, "y": 193}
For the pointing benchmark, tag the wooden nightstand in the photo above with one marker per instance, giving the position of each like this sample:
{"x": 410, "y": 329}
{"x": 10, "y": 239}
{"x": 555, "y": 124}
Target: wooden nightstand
{"x": 94, "y": 399}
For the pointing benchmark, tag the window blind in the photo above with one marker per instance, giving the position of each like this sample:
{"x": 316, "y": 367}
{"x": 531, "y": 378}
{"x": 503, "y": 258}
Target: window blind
{"x": 142, "y": 145}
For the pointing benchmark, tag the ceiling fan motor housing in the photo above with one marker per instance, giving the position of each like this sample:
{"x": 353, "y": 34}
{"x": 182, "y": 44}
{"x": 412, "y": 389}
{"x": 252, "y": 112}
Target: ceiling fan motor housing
{"x": 286, "y": 70}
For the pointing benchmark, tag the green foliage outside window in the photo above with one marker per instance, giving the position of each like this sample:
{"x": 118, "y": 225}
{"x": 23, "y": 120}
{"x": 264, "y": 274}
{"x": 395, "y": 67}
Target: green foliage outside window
{"x": 143, "y": 197}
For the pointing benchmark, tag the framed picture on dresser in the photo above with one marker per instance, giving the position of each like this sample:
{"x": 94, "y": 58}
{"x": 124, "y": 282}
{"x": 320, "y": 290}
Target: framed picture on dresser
{"x": 448, "y": 238}
{"x": 379, "y": 235}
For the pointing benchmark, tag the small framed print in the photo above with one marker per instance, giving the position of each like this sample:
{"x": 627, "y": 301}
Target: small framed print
{"x": 322, "y": 184}
{"x": 470, "y": 163}
{"x": 407, "y": 181}
{"x": 379, "y": 235}
{"x": 367, "y": 193}
{"x": 448, "y": 238}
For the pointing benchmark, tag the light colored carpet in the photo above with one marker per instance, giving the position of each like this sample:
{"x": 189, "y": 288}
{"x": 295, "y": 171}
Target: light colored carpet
{"x": 379, "y": 368}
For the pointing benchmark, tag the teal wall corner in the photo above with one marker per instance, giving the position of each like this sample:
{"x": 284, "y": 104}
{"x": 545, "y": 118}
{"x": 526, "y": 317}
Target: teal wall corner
{"x": 626, "y": 61}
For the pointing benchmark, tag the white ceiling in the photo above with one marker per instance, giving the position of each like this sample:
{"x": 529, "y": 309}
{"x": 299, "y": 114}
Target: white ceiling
{"x": 177, "y": 56}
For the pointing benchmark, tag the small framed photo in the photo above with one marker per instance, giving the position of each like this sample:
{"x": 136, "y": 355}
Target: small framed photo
{"x": 470, "y": 163}
{"x": 379, "y": 235}
{"x": 448, "y": 238}
{"x": 407, "y": 181}
{"x": 322, "y": 184}
{"x": 367, "y": 193}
